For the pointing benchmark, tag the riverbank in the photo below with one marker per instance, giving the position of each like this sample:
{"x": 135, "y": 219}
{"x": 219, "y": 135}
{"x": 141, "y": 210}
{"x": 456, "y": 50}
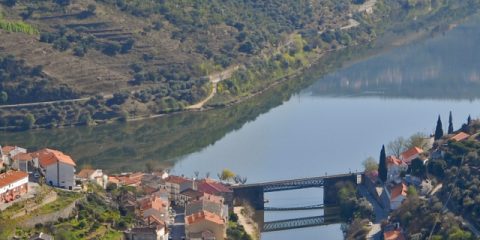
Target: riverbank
{"x": 376, "y": 21}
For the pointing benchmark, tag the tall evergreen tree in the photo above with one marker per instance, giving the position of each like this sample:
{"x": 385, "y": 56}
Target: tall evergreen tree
{"x": 450, "y": 123}
{"x": 382, "y": 166}
{"x": 439, "y": 129}
{"x": 469, "y": 120}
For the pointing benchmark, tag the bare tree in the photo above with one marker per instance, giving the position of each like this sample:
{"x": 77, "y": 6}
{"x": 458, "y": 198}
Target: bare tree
{"x": 397, "y": 146}
{"x": 196, "y": 173}
{"x": 420, "y": 140}
{"x": 207, "y": 175}
{"x": 243, "y": 180}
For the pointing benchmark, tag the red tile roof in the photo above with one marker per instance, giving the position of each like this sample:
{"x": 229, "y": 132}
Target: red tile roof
{"x": 11, "y": 177}
{"x": 204, "y": 215}
{"x": 176, "y": 179}
{"x": 212, "y": 187}
{"x": 393, "y": 235}
{"x": 407, "y": 155}
{"x": 48, "y": 157}
{"x": 460, "y": 137}
{"x": 400, "y": 189}
{"x": 85, "y": 173}
{"x": 392, "y": 160}
{"x": 22, "y": 157}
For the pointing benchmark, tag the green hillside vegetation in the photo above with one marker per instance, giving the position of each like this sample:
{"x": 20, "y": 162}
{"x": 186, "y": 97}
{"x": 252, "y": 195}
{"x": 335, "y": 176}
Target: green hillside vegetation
{"x": 128, "y": 59}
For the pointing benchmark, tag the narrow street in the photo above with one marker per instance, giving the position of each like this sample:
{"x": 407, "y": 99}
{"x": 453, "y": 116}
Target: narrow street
{"x": 380, "y": 214}
{"x": 178, "y": 228}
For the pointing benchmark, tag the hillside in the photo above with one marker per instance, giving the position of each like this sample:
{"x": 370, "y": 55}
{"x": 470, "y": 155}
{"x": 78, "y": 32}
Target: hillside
{"x": 118, "y": 59}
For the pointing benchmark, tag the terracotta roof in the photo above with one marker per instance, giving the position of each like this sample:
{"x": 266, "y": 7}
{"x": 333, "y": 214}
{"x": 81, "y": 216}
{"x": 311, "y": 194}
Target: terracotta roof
{"x": 7, "y": 149}
{"x": 393, "y": 235}
{"x": 392, "y": 160}
{"x": 11, "y": 177}
{"x": 22, "y": 157}
{"x": 400, "y": 189}
{"x": 85, "y": 173}
{"x": 204, "y": 215}
{"x": 48, "y": 157}
{"x": 176, "y": 179}
{"x": 212, "y": 187}
{"x": 410, "y": 153}
{"x": 460, "y": 137}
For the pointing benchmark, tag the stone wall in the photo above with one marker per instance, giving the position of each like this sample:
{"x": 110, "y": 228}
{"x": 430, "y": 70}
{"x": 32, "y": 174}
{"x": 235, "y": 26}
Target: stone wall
{"x": 51, "y": 217}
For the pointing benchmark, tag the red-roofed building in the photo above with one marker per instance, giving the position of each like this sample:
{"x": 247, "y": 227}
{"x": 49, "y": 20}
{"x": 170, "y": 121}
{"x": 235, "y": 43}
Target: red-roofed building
{"x": 397, "y": 194}
{"x": 203, "y": 221}
{"x": 12, "y": 185}
{"x": 216, "y": 188}
{"x": 58, "y": 168}
{"x": 410, "y": 154}
{"x": 175, "y": 185}
{"x": 127, "y": 179}
{"x": 7, "y": 152}
{"x": 393, "y": 235}
{"x": 24, "y": 162}
{"x": 461, "y": 136}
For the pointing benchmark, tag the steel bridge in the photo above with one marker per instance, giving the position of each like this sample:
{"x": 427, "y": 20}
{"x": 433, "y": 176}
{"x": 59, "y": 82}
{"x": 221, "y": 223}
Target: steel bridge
{"x": 311, "y": 207}
{"x": 293, "y": 223}
{"x": 294, "y": 184}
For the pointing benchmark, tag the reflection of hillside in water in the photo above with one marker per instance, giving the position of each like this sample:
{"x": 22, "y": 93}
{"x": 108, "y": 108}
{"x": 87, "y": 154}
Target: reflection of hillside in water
{"x": 446, "y": 67}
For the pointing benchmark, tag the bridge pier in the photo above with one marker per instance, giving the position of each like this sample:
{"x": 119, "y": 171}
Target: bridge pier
{"x": 252, "y": 196}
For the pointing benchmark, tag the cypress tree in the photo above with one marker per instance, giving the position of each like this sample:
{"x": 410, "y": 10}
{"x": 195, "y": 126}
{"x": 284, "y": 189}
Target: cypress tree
{"x": 450, "y": 123}
{"x": 439, "y": 129}
{"x": 382, "y": 166}
{"x": 469, "y": 120}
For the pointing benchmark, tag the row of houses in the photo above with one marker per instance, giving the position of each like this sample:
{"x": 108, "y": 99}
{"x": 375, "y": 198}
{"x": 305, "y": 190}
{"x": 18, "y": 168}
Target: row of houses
{"x": 205, "y": 204}
{"x": 394, "y": 191}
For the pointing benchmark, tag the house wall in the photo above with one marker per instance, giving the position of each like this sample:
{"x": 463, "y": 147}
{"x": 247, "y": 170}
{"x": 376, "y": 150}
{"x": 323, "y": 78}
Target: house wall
{"x": 66, "y": 178}
{"x": 218, "y": 230}
{"x": 395, "y": 203}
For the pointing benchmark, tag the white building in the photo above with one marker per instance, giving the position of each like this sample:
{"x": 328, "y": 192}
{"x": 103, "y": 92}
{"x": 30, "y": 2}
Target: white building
{"x": 93, "y": 175}
{"x": 58, "y": 168}
{"x": 395, "y": 167}
{"x": 7, "y": 152}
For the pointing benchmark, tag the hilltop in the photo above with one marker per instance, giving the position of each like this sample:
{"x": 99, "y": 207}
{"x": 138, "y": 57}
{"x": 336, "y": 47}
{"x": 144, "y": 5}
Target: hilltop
{"x": 98, "y": 60}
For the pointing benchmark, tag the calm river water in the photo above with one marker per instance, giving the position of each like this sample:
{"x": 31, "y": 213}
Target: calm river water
{"x": 326, "y": 126}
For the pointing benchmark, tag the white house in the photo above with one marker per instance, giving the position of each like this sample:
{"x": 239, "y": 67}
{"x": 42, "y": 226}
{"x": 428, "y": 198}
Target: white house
{"x": 58, "y": 168}
{"x": 395, "y": 168}
{"x": 397, "y": 195}
{"x": 93, "y": 175}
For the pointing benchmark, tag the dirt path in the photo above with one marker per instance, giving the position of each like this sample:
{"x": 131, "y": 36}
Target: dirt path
{"x": 246, "y": 222}
{"x": 215, "y": 78}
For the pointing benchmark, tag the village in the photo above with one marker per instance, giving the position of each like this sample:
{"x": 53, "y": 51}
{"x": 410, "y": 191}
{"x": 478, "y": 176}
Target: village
{"x": 404, "y": 174}
{"x": 164, "y": 206}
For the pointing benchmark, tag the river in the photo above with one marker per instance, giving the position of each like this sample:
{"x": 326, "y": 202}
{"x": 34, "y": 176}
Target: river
{"x": 320, "y": 124}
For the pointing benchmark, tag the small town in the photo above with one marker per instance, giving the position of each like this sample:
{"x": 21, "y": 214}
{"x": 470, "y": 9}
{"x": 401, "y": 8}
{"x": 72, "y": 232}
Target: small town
{"x": 157, "y": 205}
{"x": 43, "y": 193}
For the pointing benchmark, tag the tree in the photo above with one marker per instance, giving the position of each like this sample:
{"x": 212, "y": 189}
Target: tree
{"x": 417, "y": 168}
{"x": 450, "y": 123}
{"x": 439, "y": 129}
{"x": 469, "y": 120}
{"x": 397, "y": 146}
{"x": 3, "y": 97}
{"x": 412, "y": 191}
{"x": 418, "y": 140}
{"x": 226, "y": 175}
{"x": 370, "y": 164}
{"x": 28, "y": 121}
{"x": 382, "y": 167}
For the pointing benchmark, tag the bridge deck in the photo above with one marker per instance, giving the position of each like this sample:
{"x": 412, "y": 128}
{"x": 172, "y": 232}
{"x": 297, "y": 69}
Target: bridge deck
{"x": 294, "y": 183}
{"x": 311, "y": 207}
